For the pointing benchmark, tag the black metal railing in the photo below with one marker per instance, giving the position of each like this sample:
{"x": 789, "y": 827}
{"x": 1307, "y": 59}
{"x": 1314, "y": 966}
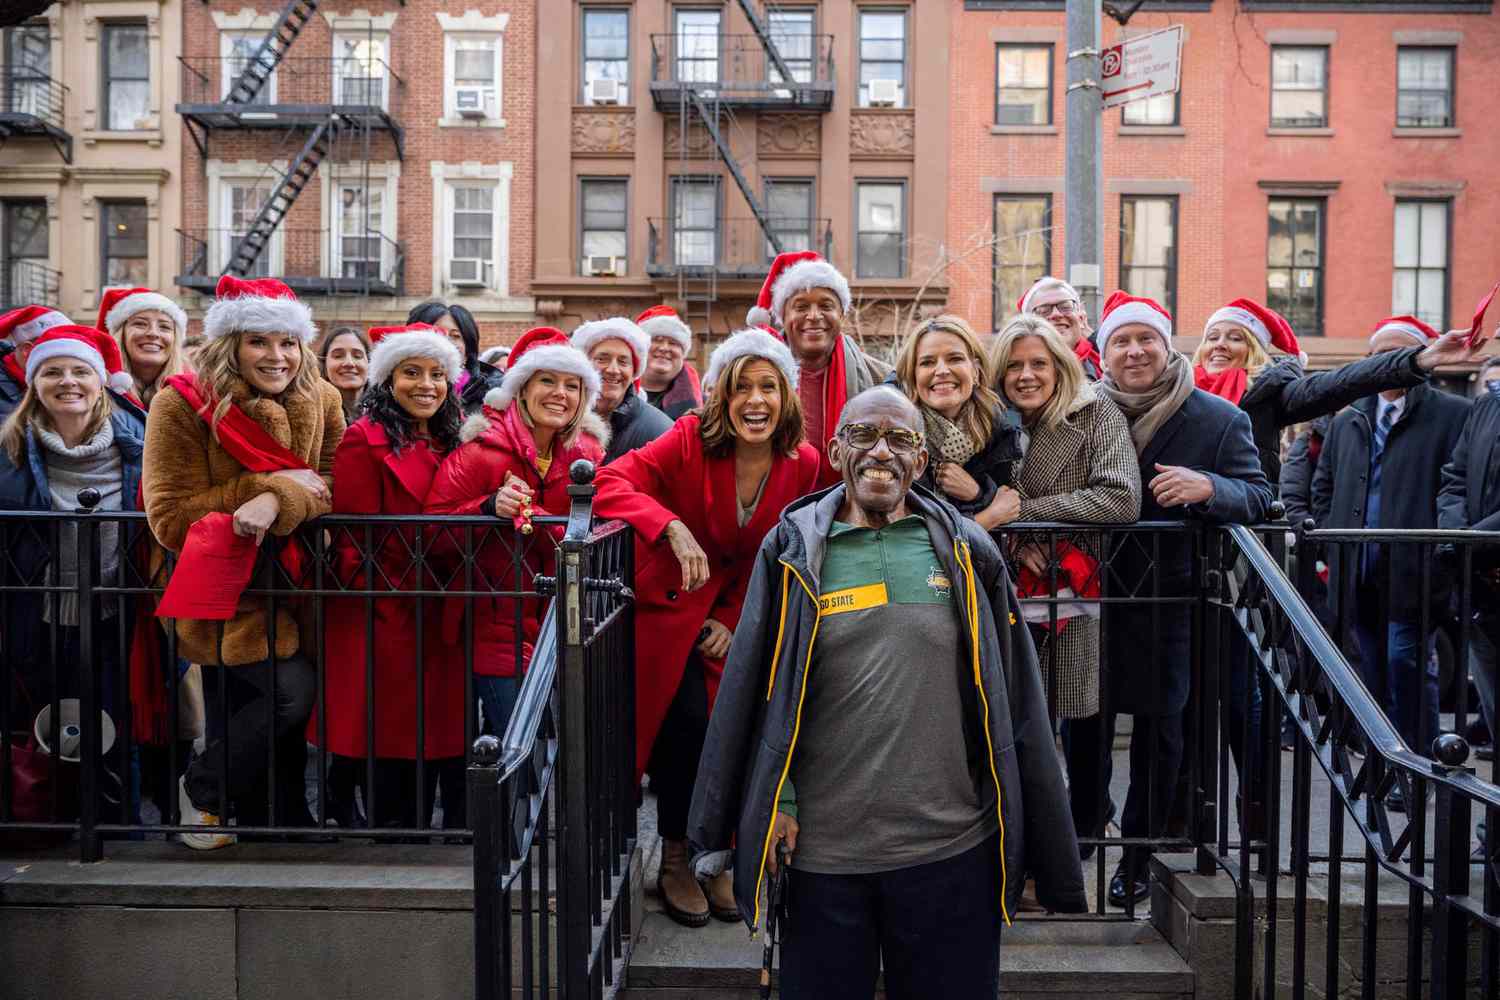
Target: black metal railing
{"x": 729, "y": 247}
{"x": 27, "y": 281}
{"x": 30, "y": 99}
{"x": 311, "y": 261}
{"x": 358, "y": 89}
{"x": 738, "y": 69}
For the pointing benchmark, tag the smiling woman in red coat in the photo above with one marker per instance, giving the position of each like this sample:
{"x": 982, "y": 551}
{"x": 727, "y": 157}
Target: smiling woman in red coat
{"x": 514, "y": 458}
{"x": 717, "y": 481}
{"x": 385, "y": 465}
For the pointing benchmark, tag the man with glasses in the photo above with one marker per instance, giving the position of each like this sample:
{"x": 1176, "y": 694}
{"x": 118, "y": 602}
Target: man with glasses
{"x": 1059, "y": 303}
{"x": 909, "y": 778}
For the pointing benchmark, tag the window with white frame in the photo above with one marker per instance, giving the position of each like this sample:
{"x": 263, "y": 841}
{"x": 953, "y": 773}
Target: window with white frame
{"x": 471, "y": 252}
{"x": 473, "y": 84}
{"x": 238, "y": 50}
{"x": 358, "y": 241}
{"x": 240, "y": 203}
{"x": 361, "y": 65}
{"x": 1419, "y": 285}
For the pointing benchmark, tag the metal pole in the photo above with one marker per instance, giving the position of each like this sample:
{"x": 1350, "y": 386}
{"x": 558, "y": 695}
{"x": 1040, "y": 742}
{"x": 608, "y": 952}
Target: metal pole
{"x": 1085, "y": 161}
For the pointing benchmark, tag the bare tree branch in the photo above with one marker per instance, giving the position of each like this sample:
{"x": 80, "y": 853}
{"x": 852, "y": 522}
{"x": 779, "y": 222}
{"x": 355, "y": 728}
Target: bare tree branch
{"x": 19, "y": 11}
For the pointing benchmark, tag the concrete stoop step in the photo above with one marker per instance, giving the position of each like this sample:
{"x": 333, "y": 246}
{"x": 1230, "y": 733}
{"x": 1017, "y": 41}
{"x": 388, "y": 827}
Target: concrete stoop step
{"x": 1051, "y": 958}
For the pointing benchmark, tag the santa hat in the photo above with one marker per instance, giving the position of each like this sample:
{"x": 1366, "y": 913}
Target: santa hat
{"x": 1408, "y": 325}
{"x": 260, "y": 305}
{"x": 1121, "y": 309}
{"x": 751, "y": 344}
{"x": 1266, "y": 325}
{"x": 22, "y": 326}
{"x": 85, "y": 343}
{"x": 544, "y": 348}
{"x": 591, "y": 335}
{"x": 663, "y": 321}
{"x": 792, "y": 273}
{"x": 119, "y": 304}
{"x": 1042, "y": 284}
{"x": 391, "y": 345}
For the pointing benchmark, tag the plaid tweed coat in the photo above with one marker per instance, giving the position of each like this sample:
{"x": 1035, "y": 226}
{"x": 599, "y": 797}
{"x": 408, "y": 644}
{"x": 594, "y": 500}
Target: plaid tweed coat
{"x": 1083, "y": 470}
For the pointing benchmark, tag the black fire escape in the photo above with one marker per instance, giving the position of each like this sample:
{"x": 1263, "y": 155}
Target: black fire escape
{"x": 703, "y": 81}
{"x": 341, "y": 109}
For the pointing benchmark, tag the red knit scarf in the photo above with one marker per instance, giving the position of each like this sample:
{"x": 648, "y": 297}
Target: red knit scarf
{"x": 1087, "y": 353}
{"x": 1229, "y": 384}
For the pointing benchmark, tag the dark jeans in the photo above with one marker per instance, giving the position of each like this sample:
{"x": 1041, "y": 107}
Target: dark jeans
{"x": 1156, "y": 744}
{"x": 935, "y": 928}
{"x": 673, "y": 764}
{"x": 395, "y": 798}
{"x": 238, "y": 754}
{"x": 1398, "y": 668}
{"x": 1087, "y": 759}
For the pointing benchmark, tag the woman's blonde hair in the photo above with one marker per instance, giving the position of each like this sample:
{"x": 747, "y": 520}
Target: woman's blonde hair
{"x": 13, "y": 432}
{"x": 1069, "y": 371}
{"x": 219, "y": 370}
{"x": 715, "y": 427}
{"x": 977, "y": 415}
{"x": 176, "y": 362}
{"x": 570, "y": 430}
{"x": 1257, "y": 359}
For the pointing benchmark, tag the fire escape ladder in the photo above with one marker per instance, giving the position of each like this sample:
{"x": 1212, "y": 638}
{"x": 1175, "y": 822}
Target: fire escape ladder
{"x": 301, "y": 170}
{"x": 764, "y": 34}
{"x": 258, "y": 68}
{"x": 711, "y": 122}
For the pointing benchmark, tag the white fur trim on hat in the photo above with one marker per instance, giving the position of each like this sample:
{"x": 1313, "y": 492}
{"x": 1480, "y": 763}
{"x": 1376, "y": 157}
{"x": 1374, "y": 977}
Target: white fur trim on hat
{"x": 1132, "y": 313}
{"x": 753, "y": 344}
{"x": 803, "y": 276}
{"x": 141, "y": 302}
{"x": 1042, "y": 285}
{"x": 590, "y": 335}
{"x": 66, "y": 348}
{"x": 551, "y": 358}
{"x": 1240, "y": 317}
{"x": 669, "y": 326}
{"x": 1403, "y": 328}
{"x": 259, "y": 314}
{"x": 394, "y": 348}
{"x": 25, "y": 333}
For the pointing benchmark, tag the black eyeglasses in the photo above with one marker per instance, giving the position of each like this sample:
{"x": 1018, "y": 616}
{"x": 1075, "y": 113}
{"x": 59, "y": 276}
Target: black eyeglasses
{"x": 1067, "y": 307}
{"x": 863, "y": 437}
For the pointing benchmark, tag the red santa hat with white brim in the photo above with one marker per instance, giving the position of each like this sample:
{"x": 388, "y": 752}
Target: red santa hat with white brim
{"x": 790, "y": 273}
{"x": 663, "y": 321}
{"x": 1121, "y": 309}
{"x": 1265, "y": 325}
{"x": 258, "y": 305}
{"x": 21, "y": 326}
{"x": 548, "y": 349}
{"x": 1042, "y": 284}
{"x": 94, "y": 347}
{"x": 391, "y": 345}
{"x": 590, "y": 335}
{"x": 117, "y": 305}
{"x": 751, "y": 344}
{"x": 1408, "y": 326}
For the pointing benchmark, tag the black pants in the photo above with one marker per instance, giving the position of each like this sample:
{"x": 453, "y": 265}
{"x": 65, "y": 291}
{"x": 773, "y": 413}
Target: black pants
{"x": 1155, "y": 758}
{"x": 935, "y": 928}
{"x": 673, "y": 764}
{"x": 238, "y": 752}
{"x": 1087, "y": 754}
{"x": 395, "y": 796}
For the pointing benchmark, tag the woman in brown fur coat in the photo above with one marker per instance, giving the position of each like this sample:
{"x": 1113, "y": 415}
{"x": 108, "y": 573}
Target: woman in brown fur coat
{"x": 257, "y": 398}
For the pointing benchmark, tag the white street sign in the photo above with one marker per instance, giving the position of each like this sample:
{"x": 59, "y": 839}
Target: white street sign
{"x": 1141, "y": 67}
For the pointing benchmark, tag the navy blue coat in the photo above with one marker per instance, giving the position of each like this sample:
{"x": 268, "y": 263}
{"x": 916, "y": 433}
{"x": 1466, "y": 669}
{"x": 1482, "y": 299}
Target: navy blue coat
{"x": 1209, "y": 435}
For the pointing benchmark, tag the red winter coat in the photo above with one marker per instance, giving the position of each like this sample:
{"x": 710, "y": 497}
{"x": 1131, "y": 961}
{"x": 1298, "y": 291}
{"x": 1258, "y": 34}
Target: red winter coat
{"x": 497, "y": 445}
{"x": 369, "y": 478}
{"x": 668, "y": 480}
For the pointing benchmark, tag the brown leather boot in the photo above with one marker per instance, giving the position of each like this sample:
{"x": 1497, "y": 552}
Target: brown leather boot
{"x": 720, "y": 893}
{"x": 681, "y": 896}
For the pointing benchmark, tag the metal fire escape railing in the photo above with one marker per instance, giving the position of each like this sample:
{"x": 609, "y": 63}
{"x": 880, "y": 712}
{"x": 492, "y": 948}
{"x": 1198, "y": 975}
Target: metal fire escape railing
{"x": 272, "y": 50}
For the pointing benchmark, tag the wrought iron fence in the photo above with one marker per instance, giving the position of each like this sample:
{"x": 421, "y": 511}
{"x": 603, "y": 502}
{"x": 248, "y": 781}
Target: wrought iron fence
{"x": 32, "y": 98}
{"x": 353, "y": 260}
{"x": 353, "y": 86}
{"x": 741, "y": 67}
{"x": 729, "y": 247}
{"x": 25, "y": 281}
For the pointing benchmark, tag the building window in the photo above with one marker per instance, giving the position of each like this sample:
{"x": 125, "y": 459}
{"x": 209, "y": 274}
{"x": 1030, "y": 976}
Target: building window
{"x": 1023, "y": 84}
{"x": 882, "y": 56}
{"x": 471, "y": 249}
{"x": 789, "y": 207}
{"x": 473, "y": 84}
{"x": 1424, "y": 87}
{"x": 606, "y": 49}
{"x": 359, "y": 246}
{"x": 242, "y": 203}
{"x": 1162, "y": 109}
{"x": 238, "y": 50}
{"x": 880, "y": 243}
{"x": 1299, "y": 86}
{"x": 1294, "y": 263}
{"x": 695, "y": 221}
{"x": 123, "y": 254}
{"x": 696, "y": 35}
{"x": 603, "y": 231}
{"x": 360, "y": 64}
{"x": 28, "y": 64}
{"x": 24, "y": 253}
{"x": 1148, "y": 248}
{"x": 126, "y": 77}
{"x": 1023, "y": 248}
{"x": 1419, "y": 286}
{"x": 791, "y": 31}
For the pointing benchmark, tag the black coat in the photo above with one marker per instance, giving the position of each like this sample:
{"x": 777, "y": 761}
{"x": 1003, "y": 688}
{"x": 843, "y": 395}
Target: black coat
{"x": 1416, "y": 449}
{"x": 1212, "y": 436}
{"x": 1470, "y": 493}
{"x": 991, "y": 468}
{"x": 1282, "y": 395}
{"x": 632, "y": 424}
{"x": 482, "y": 379}
{"x": 1297, "y": 471}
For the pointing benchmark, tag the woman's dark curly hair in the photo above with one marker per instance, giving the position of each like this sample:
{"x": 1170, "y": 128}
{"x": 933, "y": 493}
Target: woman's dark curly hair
{"x": 432, "y": 310}
{"x": 380, "y": 403}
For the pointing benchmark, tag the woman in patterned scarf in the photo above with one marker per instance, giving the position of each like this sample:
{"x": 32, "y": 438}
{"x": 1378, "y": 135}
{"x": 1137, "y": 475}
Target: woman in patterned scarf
{"x": 973, "y": 439}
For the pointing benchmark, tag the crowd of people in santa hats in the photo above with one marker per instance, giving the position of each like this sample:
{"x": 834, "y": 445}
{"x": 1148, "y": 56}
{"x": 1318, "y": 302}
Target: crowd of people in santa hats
{"x": 260, "y": 432}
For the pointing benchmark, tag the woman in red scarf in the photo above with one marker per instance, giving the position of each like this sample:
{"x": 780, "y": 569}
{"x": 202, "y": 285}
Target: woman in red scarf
{"x": 716, "y": 481}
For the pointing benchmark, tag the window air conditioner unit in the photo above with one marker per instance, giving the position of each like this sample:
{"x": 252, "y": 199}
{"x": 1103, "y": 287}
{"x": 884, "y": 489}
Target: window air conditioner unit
{"x": 470, "y": 272}
{"x": 884, "y": 93}
{"x": 604, "y": 92}
{"x": 472, "y": 102}
{"x": 604, "y": 267}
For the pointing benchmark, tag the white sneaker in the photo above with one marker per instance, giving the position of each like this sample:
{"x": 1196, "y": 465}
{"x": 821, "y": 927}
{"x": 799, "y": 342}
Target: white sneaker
{"x": 193, "y": 816}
